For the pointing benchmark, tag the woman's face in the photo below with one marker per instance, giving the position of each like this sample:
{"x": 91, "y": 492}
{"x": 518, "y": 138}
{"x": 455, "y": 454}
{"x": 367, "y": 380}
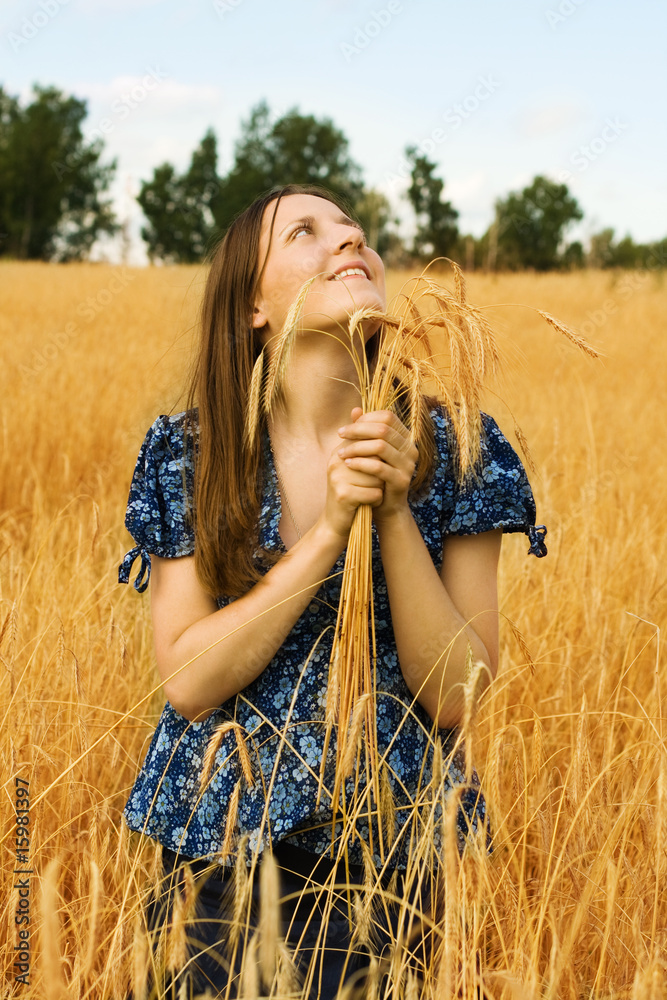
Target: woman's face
{"x": 312, "y": 238}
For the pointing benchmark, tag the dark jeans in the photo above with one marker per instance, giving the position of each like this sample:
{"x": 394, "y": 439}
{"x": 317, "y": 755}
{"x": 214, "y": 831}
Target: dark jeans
{"x": 316, "y": 925}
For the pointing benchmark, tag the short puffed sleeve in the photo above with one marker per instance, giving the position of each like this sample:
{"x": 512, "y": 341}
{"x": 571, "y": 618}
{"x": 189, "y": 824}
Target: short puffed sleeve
{"x": 499, "y": 496}
{"x": 159, "y": 505}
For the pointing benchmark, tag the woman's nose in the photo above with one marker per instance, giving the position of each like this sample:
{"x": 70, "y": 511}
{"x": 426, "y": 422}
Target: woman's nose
{"x": 352, "y": 237}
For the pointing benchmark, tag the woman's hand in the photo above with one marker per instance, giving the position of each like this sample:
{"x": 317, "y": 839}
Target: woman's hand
{"x": 379, "y": 445}
{"x": 348, "y": 487}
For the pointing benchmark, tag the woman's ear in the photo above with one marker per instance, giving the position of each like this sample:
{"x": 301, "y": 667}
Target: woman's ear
{"x": 258, "y": 318}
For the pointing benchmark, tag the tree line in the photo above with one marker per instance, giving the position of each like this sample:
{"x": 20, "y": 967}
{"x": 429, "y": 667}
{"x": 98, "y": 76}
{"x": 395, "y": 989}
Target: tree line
{"x": 54, "y": 200}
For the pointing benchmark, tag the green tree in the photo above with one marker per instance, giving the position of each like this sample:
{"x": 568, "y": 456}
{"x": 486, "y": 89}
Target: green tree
{"x": 652, "y": 255}
{"x": 184, "y": 211}
{"x": 179, "y": 208}
{"x": 627, "y": 253}
{"x": 601, "y": 252}
{"x": 604, "y": 252}
{"x": 437, "y": 231}
{"x": 573, "y": 256}
{"x": 531, "y": 225}
{"x": 294, "y": 149}
{"x": 51, "y": 181}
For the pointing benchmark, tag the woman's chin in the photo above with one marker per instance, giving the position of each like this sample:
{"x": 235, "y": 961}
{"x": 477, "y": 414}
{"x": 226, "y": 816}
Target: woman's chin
{"x": 316, "y": 326}
{"x": 331, "y": 320}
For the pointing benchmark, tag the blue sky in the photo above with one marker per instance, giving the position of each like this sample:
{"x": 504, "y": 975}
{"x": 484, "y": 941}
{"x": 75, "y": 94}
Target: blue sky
{"x": 495, "y": 92}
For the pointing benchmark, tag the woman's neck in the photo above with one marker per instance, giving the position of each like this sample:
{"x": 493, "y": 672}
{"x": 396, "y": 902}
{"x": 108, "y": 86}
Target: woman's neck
{"x": 320, "y": 390}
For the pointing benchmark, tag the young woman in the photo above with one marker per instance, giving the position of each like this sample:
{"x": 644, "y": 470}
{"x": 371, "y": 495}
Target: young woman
{"x": 245, "y": 543}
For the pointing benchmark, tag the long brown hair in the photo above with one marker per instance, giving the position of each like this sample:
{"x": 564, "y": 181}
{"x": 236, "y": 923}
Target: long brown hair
{"x": 228, "y": 483}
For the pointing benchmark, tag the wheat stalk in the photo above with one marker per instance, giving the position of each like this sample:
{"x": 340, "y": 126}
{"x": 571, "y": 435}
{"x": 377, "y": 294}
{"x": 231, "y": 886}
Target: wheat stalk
{"x": 568, "y": 332}
{"x": 254, "y": 402}
{"x": 140, "y": 960}
{"x": 282, "y": 351}
{"x": 52, "y": 971}
{"x": 95, "y": 892}
{"x": 230, "y": 822}
{"x": 214, "y": 745}
{"x": 269, "y": 918}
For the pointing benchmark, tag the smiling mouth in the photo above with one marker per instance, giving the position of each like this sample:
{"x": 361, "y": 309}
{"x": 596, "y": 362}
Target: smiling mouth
{"x": 351, "y": 272}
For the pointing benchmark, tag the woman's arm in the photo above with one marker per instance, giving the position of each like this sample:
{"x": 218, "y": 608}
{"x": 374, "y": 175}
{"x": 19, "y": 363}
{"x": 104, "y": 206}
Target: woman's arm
{"x": 205, "y": 655}
{"x": 226, "y": 649}
{"x": 436, "y": 617}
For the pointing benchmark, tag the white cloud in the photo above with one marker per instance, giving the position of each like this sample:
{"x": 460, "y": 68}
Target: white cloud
{"x": 536, "y": 122}
{"x": 146, "y": 121}
{"x": 467, "y": 188}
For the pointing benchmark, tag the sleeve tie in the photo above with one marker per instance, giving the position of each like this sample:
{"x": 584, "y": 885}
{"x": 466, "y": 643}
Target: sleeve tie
{"x": 143, "y": 576}
{"x": 536, "y": 533}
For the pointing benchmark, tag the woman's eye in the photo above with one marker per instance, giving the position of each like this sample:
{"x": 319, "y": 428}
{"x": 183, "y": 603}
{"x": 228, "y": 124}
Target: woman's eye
{"x": 301, "y": 229}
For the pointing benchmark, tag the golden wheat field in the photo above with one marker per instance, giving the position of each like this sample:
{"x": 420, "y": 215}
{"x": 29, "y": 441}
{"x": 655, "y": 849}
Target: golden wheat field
{"x": 569, "y": 741}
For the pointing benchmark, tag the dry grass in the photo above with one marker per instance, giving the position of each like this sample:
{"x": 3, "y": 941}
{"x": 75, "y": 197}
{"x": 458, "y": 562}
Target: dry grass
{"x": 572, "y": 903}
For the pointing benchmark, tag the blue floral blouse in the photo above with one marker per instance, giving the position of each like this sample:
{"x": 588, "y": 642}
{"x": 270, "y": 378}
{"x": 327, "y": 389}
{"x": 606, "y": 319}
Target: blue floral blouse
{"x": 282, "y": 711}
